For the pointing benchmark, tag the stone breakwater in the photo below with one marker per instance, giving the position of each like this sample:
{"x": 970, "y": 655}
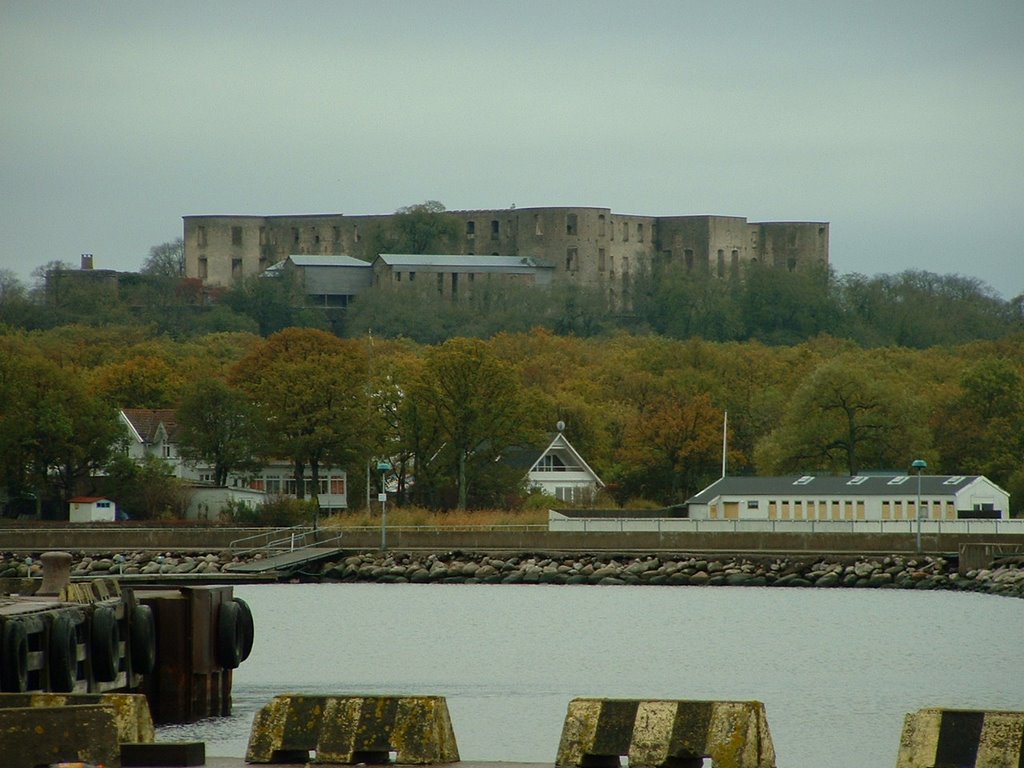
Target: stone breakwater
{"x": 882, "y": 572}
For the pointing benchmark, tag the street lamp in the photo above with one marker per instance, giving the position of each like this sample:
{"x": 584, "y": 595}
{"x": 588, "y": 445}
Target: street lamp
{"x": 383, "y": 467}
{"x": 919, "y": 464}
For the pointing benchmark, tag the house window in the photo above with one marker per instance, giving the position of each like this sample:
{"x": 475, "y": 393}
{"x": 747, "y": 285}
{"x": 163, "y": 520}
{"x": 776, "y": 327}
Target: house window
{"x": 571, "y": 224}
{"x": 274, "y": 485}
{"x": 236, "y": 235}
{"x": 752, "y": 504}
{"x": 168, "y": 451}
{"x": 257, "y": 484}
{"x": 550, "y": 463}
{"x": 103, "y": 505}
{"x": 337, "y": 486}
{"x": 495, "y": 229}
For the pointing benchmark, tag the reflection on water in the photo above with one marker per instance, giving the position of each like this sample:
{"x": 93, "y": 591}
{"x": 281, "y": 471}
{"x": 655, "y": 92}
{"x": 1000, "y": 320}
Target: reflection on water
{"x": 837, "y": 669}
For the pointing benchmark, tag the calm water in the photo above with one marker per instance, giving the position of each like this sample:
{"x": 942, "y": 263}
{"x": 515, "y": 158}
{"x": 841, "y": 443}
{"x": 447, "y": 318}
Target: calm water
{"x": 836, "y": 669}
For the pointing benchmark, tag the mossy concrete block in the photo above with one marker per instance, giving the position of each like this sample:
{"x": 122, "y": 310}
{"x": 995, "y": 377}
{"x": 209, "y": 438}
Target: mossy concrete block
{"x": 33, "y": 736}
{"x": 963, "y": 738}
{"x": 353, "y": 729}
{"x": 132, "y": 718}
{"x": 656, "y": 733}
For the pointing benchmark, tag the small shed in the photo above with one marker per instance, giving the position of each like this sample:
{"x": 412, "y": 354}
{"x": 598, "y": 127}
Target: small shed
{"x": 90, "y": 509}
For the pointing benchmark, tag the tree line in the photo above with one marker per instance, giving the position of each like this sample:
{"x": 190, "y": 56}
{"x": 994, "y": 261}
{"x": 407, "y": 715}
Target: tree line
{"x": 645, "y": 410}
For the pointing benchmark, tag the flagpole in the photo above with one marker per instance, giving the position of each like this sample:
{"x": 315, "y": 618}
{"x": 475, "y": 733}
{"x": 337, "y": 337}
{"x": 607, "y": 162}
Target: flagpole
{"x": 725, "y": 434}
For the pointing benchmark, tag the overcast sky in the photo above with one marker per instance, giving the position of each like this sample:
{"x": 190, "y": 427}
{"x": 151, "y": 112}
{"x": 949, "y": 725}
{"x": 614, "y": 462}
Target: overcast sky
{"x": 901, "y": 123}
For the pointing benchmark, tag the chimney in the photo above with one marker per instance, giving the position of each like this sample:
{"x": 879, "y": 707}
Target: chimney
{"x": 86, "y": 261}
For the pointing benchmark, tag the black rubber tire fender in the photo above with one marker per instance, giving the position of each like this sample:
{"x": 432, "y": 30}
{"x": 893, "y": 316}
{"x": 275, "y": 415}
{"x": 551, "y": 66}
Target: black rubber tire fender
{"x": 230, "y": 635}
{"x": 105, "y": 644}
{"x": 14, "y": 657}
{"x": 142, "y": 638}
{"x": 62, "y": 654}
{"x": 248, "y": 627}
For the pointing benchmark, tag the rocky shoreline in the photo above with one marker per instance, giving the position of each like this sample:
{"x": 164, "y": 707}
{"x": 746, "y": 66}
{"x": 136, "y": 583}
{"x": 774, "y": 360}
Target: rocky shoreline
{"x": 881, "y": 572}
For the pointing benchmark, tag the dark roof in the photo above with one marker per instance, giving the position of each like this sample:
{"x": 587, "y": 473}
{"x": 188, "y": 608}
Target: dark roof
{"x": 146, "y": 421}
{"x": 892, "y": 484}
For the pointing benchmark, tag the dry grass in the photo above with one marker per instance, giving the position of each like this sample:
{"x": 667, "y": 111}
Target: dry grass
{"x": 415, "y": 516}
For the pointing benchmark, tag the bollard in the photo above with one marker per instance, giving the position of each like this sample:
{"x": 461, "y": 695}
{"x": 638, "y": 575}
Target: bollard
{"x": 353, "y": 729}
{"x": 132, "y": 721}
{"x": 56, "y": 572}
{"x": 658, "y": 733}
{"x": 34, "y": 736}
{"x": 962, "y": 738}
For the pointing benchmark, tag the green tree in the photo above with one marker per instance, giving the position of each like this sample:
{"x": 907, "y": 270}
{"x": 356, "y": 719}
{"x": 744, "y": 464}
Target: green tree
{"x": 476, "y": 404}
{"x": 218, "y": 426}
{"x": 849, "y": 415}
{"x": 420, "y": 228}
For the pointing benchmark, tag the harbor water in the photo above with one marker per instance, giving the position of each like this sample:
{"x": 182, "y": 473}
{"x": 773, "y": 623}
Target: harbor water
{"x": 837, "y": 669}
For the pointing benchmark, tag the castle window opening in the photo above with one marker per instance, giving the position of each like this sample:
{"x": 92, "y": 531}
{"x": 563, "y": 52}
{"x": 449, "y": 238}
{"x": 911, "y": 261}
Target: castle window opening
{"x": 398, "y": 277}
{"x": 203, "y": 268}
{"x": 412, "y": 277}
{"x": 570, "y": 260}
{"x": 537, "y": 228}
{"x": 495, "y": 229}
{"x": 688, "y": 257}
{"x": 571, "y": 226}
{"x": 263, "y": 235}
{"x": 336, "y": 234}
{"x": 471, "y": 229}
{"x": 734, "y": 266}
{"x": 295, "y": 235}
{"x": 600, "y": 225}
{"x": 600, "y": 260}
{"x": 455, "y": 285}
{"x": 440, "y": 282}
{"x": 625, "y": 231}
{"x": 201, "y": 235}
{"x": 236, "y": 268}
{"x": 791, "y": 264}
{"x": 721, "y": 263}
{"x": 316, "y": 236}
{"x": 640, "y": 232}
{"x": 355, "y": 233}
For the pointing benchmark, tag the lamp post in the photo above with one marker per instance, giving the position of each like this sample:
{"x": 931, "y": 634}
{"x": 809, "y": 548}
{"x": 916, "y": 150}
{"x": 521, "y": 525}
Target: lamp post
{"x": 383, "y": 467}
{"x": 919, "y": 464}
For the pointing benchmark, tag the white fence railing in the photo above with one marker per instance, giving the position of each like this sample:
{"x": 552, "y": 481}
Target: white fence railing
{"x": 687, "y": 525}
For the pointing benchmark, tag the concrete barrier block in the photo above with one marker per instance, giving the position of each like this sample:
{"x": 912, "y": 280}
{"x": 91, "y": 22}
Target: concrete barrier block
{"x": 353, "y": 729}
{"x": 132, "y": 720}
{"x": 655, "y": 733}
{"x": 34, "y": 736}
{"x": 964, "y": 738}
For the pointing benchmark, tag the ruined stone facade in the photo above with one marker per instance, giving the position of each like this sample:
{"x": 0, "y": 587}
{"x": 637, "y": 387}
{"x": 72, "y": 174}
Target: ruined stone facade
{"x": 592, "y": 247}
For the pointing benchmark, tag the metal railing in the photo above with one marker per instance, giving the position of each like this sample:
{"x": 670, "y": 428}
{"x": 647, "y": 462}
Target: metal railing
{"x": 690, "y": 525}
{"x": 296, "y": 537}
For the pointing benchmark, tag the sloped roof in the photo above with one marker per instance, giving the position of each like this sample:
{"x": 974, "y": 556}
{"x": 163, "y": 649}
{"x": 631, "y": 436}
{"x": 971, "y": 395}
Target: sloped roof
{"x": 146, "y": 422}
{"x": 894, "y": 484}
{"x": 302, "y": 260}
{"x": 525, "y": 457}
{"x": 455, "y": 260}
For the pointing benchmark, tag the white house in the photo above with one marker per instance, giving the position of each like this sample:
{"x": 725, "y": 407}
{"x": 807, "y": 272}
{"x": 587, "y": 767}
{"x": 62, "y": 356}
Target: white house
{"x": 154, "y": 432}
{"x": 880, "y": 497}
{"x": 90, "y": 509}
{"x": 557, "y": 469}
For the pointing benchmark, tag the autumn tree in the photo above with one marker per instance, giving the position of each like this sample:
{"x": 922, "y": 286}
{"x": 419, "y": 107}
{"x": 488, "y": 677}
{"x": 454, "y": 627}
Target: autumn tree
{"x": 310, "y": 391}
{"x": 218, "y": 427}
{"x": 673, "y": 446}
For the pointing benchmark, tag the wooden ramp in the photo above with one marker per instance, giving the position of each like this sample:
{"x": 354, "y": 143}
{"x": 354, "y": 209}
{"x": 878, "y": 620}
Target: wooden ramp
{"x": 286, "y": 561}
